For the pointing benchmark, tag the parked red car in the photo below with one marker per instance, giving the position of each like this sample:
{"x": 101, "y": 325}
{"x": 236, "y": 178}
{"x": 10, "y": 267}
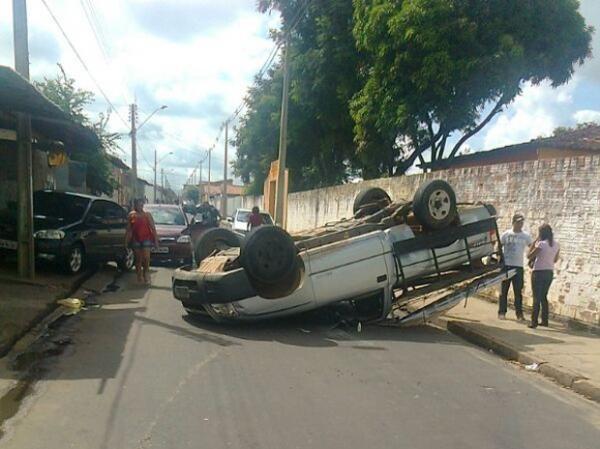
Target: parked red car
{"x": 173, "y": 229}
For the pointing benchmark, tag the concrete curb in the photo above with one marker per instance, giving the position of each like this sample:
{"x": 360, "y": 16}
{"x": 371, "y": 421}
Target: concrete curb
{"x": 561, "y": 375}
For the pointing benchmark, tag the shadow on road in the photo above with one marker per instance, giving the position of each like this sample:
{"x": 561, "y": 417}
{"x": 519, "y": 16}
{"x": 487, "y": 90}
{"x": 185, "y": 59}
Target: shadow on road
{"x": 322, "y": 329}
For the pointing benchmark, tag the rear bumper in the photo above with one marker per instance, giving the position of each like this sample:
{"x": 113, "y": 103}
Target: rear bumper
{"x": 197, "y": 289}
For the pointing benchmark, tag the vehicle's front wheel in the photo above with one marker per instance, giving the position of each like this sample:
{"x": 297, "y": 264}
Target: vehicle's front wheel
{"x": 126, "y": 262}
{"x": 434, "y": 204}
{"x": 75, "y": 260}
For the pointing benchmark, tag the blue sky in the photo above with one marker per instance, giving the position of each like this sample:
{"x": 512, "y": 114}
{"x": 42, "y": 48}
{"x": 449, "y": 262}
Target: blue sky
{"x": 199, "y": 56}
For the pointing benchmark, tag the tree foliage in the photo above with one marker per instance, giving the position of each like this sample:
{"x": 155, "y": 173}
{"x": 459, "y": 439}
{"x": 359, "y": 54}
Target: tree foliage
{"x": 192, "y": 193}
{"x": 436, "y": 67}
{"x": 324, "y": 77}
{"x": 73, "y": 101}
{"x": 378, "y": 84}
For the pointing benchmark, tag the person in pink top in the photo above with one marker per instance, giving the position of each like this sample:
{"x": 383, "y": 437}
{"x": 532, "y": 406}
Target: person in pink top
{"x": 544, "y": 254}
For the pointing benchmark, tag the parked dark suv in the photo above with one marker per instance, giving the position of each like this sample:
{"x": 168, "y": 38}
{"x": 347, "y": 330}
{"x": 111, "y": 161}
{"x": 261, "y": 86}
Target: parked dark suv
{"x": 71, "y": 230}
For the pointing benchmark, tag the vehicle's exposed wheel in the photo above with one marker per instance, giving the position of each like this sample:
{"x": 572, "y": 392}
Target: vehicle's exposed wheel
{"x": 373, "y": 196}
{"x": 213, "y": 240}
{"x": 75, "y": 260}
{"x": 434, "y": 204}
{"x": 126, "y": 262}
{"x": 270, "y": 258}
{"x": 285, "y": 287}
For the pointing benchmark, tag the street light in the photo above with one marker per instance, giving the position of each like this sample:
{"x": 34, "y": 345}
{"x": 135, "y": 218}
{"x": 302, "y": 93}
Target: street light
{"x": 134, "y": 130}
{"x": 156, "y": 168}
{"x": 164, "y": 106}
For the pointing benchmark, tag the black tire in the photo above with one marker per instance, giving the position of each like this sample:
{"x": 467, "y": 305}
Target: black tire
{"x": 373, "y": 195}
{"x": 75, "y": 260}
{"x": 127, "y": 262}
{"x": 434, "y": 204}
{"x": 213, "y": 240}
{"x": 269, "y": 256}
{"x": 285, "y": 287}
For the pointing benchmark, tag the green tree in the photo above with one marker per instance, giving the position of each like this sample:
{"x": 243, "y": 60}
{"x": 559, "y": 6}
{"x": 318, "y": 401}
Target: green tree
{"x": 433, "y": 68}
{"x": 73, "y": 101}
{"x": 561, "y": 130}
{"x": 192, "y": 193}
{"x": 324, "y": 77}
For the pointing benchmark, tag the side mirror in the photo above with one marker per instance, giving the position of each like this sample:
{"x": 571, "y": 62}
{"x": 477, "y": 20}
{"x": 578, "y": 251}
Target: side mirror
{"x": 229, "y": 219}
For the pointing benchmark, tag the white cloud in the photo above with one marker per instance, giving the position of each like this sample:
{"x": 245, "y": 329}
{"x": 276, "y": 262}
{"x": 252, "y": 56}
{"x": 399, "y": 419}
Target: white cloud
{"x": 535, "y": 113}
{"x": 200, "y": 66}
{"x": 587, "y": 116}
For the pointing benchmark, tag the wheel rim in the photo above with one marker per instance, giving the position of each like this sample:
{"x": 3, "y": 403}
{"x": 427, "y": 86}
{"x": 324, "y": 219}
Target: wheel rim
{"x": 271, "y": 259}
{"x": 129, "y": 258}
{"x": 439, "y": 204}
{"x": 75, "y": 260}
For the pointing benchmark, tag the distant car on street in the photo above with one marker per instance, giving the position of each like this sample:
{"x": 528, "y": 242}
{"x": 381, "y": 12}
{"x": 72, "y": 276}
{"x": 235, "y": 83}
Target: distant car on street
{"x": 71, "y": 229}
{"x": 239, "y": 221}
{"x": 172, "y": 227}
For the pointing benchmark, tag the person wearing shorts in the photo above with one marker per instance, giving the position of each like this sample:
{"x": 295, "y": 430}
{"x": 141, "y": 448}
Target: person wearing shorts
{"x": 141, "y": 236}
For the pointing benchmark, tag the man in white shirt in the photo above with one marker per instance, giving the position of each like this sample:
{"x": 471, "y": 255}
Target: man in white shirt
{"x": 514, "y": 243}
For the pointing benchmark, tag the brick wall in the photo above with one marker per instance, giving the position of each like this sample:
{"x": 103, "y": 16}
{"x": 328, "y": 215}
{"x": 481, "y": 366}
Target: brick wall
{"x": 562, "y": 192}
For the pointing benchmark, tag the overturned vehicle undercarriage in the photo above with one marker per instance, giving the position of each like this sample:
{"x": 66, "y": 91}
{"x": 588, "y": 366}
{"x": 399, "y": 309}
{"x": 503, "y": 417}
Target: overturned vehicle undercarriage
{"x": 408, "y": 259}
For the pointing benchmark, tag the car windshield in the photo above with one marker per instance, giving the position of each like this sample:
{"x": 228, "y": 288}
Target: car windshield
{"x": 242, "y": 216}
{"x": 62, "y": 207}
{"x": 167, "y": 216}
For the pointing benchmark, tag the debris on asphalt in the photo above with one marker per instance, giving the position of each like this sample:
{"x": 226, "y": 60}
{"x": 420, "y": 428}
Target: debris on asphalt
{"x": 533, "y": 367}
{"x": 73, "y": 304}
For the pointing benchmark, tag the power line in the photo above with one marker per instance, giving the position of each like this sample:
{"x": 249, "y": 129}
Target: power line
{"x": 85, "y": 5}
{"x": 83, "y": 62}
{"x": 98, "y": 30}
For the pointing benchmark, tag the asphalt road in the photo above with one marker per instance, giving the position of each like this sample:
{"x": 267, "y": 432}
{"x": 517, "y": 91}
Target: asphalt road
{"x": 139, "y": 374}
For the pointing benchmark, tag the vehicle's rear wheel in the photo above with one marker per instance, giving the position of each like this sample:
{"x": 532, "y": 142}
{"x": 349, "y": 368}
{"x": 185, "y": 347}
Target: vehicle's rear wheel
{"x": 374, "y": 197}
{"x": 75, "y": 260}
{"x": 434, "y": 204}
{"x": 270, "y": 258}
{"x": 126, "y": 262}
{"x": 213, "y": 240}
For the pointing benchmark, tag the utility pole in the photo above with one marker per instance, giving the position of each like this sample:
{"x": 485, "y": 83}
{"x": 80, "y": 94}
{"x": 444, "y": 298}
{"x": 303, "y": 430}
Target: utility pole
{"x": 200, "y": 183}
{"x": 224, "y": 194}
{"x": 162, "y": 183}
{"x": 281, "y": 191}
{"x": 209, "y": 157}
{"x": 155, "y": 167}
{"x": 133, "y": 112}
{"x": 25, "y": 251}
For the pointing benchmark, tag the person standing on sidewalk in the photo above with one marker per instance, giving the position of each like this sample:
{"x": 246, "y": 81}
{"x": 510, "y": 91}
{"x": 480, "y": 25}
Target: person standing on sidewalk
{"x": 514, "y": 243}
{"x": 141, "y": 236}
{"x": 544, "y": 254}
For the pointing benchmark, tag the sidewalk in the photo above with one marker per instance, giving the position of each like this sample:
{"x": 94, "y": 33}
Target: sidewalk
{"x": 570, "y": 357}
{"x": 24, "y": 303}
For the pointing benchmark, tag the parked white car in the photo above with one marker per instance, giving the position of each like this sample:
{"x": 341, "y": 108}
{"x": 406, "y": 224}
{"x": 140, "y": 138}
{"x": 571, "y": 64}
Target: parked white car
{"x": 385, "y": 252}
{"x": 239, "y": 221}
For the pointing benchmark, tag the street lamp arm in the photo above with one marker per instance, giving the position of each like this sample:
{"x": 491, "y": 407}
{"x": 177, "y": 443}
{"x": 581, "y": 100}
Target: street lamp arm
{"x": 165, "y": 156}
{"x": 150, "y": 116}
